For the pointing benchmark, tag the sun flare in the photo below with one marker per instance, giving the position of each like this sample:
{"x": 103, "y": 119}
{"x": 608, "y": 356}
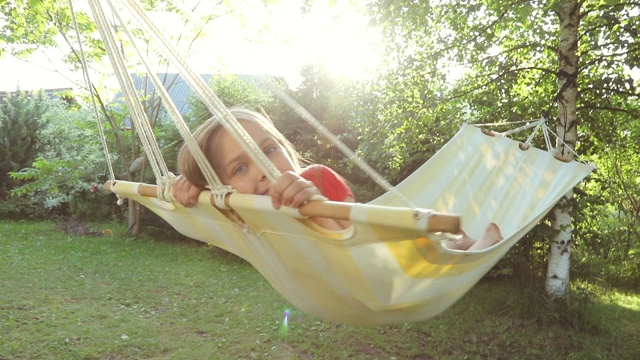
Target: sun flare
{"x": 257, "y": 37}
{"x": 280, "y": 39}
{"x": 341, "y": 41}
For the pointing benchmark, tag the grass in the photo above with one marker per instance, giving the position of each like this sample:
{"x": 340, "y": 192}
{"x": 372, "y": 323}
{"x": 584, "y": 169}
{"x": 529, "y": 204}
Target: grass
{"x": 163, "y": 297}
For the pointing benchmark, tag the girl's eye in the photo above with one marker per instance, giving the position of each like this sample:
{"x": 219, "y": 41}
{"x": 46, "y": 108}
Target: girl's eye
{"x": 270, "y": 150}
{"x": 240, "y": 169}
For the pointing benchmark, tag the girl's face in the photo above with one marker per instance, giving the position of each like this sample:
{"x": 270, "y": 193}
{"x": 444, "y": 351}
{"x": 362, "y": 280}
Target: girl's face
{"x": 235, "y": 167}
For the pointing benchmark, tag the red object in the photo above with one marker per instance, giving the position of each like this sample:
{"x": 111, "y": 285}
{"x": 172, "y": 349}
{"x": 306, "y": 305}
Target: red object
{"x": 329, "y": 182}
{"x": 94, "y": 187}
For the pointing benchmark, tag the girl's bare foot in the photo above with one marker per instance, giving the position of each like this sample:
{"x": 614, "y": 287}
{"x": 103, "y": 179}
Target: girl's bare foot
{"x": 491, "y": 237}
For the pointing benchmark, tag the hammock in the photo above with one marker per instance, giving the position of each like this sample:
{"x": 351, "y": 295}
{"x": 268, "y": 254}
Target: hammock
{"x": 381, "y": 273}
{"x": 389, "y": 267}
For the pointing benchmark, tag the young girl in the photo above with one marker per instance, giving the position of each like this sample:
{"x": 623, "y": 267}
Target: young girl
{"x": 234, "y": 167}
{"x": 293, "y": 188}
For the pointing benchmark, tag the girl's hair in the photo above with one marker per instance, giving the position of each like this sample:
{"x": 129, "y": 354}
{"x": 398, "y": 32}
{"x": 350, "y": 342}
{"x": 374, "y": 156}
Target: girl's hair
{"x": 205, "y": 136}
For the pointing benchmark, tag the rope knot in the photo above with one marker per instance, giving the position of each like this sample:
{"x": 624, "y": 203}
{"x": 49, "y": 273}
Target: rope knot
{"x": 220, "y": 193}
{"x": 164, "y": 186}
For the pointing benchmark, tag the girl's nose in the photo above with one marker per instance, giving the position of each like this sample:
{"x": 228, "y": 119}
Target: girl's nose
{"x": 260, "y": 175}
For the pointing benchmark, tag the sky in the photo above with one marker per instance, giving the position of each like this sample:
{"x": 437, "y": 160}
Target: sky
{"x": 260, "y": 40}
{"x": 34, "y": 74}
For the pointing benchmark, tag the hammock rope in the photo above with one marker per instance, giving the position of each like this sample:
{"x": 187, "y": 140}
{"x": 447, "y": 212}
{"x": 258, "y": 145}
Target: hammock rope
{"x": 138, "y": 115}
{"x": 570, "y": 148}
{"x": 540, "y": 123}
{"x": 215, "y": 105}
{"x": 352, "y": 156}
{"x": 87, "y": 80}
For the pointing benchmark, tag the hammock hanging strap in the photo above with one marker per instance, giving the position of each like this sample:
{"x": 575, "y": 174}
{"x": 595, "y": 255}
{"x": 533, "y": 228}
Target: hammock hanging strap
{"x": 87, "y": 80}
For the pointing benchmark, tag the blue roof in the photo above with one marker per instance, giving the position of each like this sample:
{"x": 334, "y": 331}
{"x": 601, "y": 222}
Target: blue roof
{"x": 178, "y": 89}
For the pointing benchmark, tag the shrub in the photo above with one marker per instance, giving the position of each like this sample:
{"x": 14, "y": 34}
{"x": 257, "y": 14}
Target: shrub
{"x": 69, "y": 163}
{"x": 21, "y": 122}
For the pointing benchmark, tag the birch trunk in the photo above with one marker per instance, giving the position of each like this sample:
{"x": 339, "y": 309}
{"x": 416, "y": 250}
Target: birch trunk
{"x": 557, "y": 281}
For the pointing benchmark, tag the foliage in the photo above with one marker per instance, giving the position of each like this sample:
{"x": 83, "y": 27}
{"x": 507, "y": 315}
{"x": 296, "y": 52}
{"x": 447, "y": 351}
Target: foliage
{"x": 609, "y": 214}
{"x": 21, "y": 122}
{"x": 329, "y": 100}
{"x": 69, "y": 162}
{"x": 233, "y": 90}
{"x": 21, "y": 208}
{"x": 26, "y": 23}
{"x": 39, "y": 25}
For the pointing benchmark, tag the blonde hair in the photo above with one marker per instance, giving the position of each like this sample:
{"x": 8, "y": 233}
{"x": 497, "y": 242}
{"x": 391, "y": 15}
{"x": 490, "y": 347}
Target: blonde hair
{"x": 205, "y": 136}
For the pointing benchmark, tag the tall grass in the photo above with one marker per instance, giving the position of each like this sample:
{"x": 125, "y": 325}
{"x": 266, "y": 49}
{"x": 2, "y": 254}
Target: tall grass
{"x": 161, "y": 296}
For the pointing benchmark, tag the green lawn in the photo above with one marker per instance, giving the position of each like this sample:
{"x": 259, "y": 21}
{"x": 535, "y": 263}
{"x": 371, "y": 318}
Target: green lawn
{"x": 163, "y": 297}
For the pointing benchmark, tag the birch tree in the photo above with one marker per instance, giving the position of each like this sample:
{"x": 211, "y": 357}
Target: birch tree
{"x": 568, "y": 12}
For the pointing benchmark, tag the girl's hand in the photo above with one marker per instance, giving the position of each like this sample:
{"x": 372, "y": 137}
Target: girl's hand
{"x": 291, "y": 190}
{"x": 185, "y": 192}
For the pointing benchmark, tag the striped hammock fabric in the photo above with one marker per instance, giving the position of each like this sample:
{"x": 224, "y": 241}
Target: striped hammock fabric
{"x": 386, "y": 269}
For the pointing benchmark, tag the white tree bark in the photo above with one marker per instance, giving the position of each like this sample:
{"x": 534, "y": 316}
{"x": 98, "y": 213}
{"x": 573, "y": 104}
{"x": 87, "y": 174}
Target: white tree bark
{"x": 559, "y": 261}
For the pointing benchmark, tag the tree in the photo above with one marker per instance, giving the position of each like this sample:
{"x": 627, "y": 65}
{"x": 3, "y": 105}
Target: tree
{"x": 26, "y": 25}
{"x": 568, "y": 12}
{"x": 21, "y": 123}
{"x": 233, "y": 90}
{"x": 516, "y": 59}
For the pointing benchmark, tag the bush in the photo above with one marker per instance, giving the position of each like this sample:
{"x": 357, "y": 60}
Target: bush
{"x": 21, "y": 123}
{"x": 20, "y": 208}
{"x": 69, "y": 163}
{"x": 622, "y": 273}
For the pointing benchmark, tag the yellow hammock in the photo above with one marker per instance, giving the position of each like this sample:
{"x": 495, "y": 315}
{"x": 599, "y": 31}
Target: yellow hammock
{"x": 386, "y": 268}
{"x": 389, "y": 267}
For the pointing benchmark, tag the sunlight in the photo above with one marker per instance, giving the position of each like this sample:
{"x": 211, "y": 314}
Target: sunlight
{"x": 342, "y": 43}
{"x": 278, "y": 39}
{"x": 256, "y": 37}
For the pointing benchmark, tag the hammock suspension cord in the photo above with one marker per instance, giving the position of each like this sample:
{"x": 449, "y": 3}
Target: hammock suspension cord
{"x": 311, "y": 120}
{"x": 138, "y": 115}
{"x": 540, "y": 123}
{"x": 217, "y": 108}
{"x": 87, "y": 80}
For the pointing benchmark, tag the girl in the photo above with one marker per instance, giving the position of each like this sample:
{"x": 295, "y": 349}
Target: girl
{"x": 234, "y": 167}
{"x": 293, "y": 188}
